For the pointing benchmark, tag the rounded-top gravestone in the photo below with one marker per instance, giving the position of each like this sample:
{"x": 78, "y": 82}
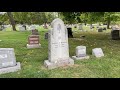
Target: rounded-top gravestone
{"x": 58, "y": 48}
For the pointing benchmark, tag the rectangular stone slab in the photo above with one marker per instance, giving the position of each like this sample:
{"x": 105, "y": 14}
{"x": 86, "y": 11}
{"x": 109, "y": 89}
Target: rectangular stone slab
{"x": 80, "y": 58}
{"x": 10, "y": 69}
{"x": 51, "y": 65}
{"x": 33, "y": 46}
{"x": 7, "y": 57}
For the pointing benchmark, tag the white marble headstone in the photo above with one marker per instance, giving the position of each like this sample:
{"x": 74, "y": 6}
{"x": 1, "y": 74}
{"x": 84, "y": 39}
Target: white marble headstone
{"x": 81, "y": 51}
{"x": 97, "y": 52}
{"x": 58, "y": 45}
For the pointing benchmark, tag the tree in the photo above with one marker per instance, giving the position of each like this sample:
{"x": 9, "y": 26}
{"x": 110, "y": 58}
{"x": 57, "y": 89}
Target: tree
{"x": 111, "y": 16}
{"x": 70, "y": 17}
{"x": 11, "y": 19}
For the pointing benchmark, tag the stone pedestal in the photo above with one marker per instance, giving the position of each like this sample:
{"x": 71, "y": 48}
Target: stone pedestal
{"x": 10, "y": 69}
{"x": 33, "y": 45}
{"x": 79, "y": 58}
{"x": 52, "y": 65}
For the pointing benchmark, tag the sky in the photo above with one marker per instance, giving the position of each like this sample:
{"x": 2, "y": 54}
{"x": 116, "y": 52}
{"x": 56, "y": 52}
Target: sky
{"x": 2, "y": 13}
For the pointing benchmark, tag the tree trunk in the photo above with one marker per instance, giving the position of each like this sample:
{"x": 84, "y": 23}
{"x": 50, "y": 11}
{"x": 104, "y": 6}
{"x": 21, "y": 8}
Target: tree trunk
{"x": 108, "y": 23}
{"x": 12, "y": 20}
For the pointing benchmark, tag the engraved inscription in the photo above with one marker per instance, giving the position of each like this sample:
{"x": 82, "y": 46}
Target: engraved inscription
{"x": 33, "y": 39}
{"x": 59, "y": 27}
{"x": 3, "y": 56}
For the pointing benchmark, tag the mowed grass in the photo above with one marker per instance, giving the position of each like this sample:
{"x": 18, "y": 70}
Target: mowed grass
{"x": 32, "y": 60}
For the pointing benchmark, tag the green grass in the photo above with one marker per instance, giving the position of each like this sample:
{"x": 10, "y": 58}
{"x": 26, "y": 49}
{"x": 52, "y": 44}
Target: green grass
{"x": 32, "y": 59}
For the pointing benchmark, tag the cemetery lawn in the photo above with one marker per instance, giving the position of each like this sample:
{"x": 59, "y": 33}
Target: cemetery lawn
{"x": 32, "y": 59}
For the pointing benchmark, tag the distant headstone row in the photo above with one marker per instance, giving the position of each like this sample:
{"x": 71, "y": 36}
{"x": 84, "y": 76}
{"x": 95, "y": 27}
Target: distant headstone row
{"x": 58, "y": 49}
{"x": 101, "y": 29}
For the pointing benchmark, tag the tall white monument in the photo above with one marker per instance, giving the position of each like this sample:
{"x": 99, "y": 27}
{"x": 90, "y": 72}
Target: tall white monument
{"x": 58, "y": 46}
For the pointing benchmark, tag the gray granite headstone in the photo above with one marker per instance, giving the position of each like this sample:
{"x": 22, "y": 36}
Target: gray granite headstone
{"x": 97, "y": 52}
{"x": 7, "y": 57}
{"x": 46, "y": 35}
{"x": 8, "y": 60}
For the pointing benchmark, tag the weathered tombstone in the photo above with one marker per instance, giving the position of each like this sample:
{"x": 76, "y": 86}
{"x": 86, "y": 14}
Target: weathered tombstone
{"x": 104, "y": 28}
{"x": 97, "y": 52}
{"x": 80, "y": 53}
{"x": 35, "y": 32}
{"x": 115, "y": 34}
{"x": 58, "y": 46}
{"x": 8, "y": 61}
{"x": 33, "y": 41}
{"x": 25, "y": 27}
{"x": 46, "y": 35}
{"x": 70, "y": 35}
{"x": 100, "y": 30}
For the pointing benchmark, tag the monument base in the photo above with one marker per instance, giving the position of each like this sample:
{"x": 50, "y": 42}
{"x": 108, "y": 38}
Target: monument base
{"x": 79, "y": 58}
{"x": 10, "y": 69}
{"x": 51, "y": 65}
{"x": 33, "y": 46}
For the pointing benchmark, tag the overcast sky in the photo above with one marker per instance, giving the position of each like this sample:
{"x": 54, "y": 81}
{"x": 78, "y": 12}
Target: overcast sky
{"x": 2, "y": 13}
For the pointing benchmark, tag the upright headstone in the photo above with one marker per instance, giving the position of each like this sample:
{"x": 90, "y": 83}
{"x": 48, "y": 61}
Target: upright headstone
{"x": 46, "y": 35}
{"x": 8, "y": 61}
{"x": 58, "y": 46}
{"x": 25, "y": 26}
{"x": 104, "y": 28}
{"x": 97, "y": 52}
{"x": 33, "y": 41}
{"x": 35, "y": 32}
{"x": 100, "y": 30}
{"x": 70, "y": 33}
{"x": 80, "y": 27}
{"x": 115, "y": 33}
{"x": 80, "y": 53}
